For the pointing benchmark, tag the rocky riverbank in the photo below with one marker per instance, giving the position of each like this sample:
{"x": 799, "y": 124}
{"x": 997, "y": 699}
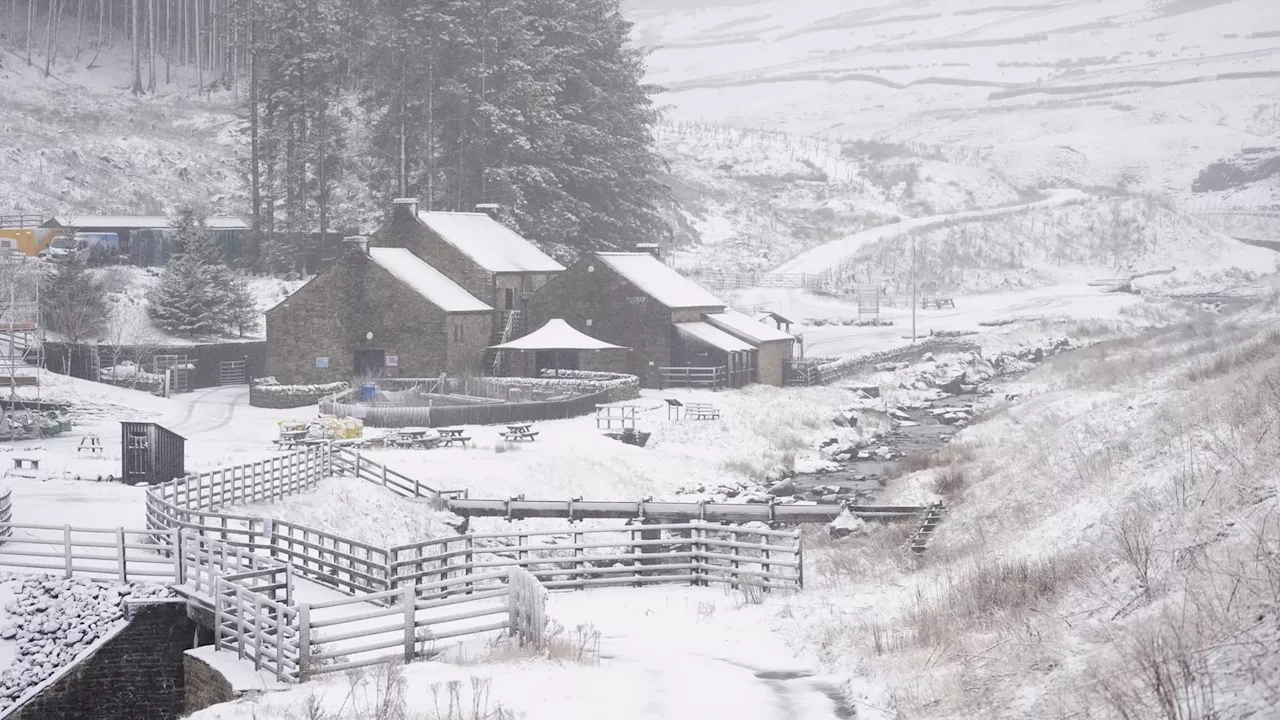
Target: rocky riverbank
{"x": 912, "y": 409}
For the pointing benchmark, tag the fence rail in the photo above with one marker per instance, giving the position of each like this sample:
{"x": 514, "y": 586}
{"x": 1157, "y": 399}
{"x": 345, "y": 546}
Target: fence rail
{"x": 713, "y": 378}
{"x": 99, "y": 553}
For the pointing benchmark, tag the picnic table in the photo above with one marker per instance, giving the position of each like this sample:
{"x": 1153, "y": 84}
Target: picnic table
{"x": 292, "y": 437}
{"x": 520, "y": 431}
{"x": 414, "y": 437}
{"x": 701, "y": 411}
{"x": 449, "y": 436}
{"x": 926, "y": 303}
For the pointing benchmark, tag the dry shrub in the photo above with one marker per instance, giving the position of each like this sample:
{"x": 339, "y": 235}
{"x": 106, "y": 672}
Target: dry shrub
{"x": 581, "y": 646}
{"x": 950, "y": 482}
{"x": 1163, "y": 676}
{"x": 855, "y": 559}
{"x": 986, "y": 593}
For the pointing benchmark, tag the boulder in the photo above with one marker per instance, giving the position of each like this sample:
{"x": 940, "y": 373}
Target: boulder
{"x": 847, "y": 524}
{"x": 786, "y": 487}
{"x": 871, "y": 391}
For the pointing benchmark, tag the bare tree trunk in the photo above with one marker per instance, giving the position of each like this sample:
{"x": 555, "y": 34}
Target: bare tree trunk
{"x": 199, "y": 54}
{"x": 168, "y": 40}
{"x": 79, "y": 28}
{"x": 111, "y": 23}
{"x": 137, "y": 49}
{"x": 31, "y": 26}
{"x": 255, "y": 158}
{"x": 48, "y": 35}
{"x": 98, "y": 41}
{"x": 151, "y": 46}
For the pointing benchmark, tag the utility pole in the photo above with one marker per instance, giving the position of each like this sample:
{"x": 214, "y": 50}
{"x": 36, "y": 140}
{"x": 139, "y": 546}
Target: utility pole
{"x": 913, "y": 289}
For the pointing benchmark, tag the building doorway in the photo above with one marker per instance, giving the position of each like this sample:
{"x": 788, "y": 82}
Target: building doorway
{"x": 508, "y": 299}
{"x": 370, "y": 362}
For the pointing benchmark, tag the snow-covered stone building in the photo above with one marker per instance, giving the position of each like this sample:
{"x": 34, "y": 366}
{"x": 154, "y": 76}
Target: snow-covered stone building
{"x": 678, "y": 332}
{"x": 377, "y": 311}
{"x": 488, "y": 259}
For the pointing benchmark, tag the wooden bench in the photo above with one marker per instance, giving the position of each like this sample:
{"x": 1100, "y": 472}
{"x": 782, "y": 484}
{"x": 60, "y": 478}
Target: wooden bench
{"x": 19, "y": 463}
{"x": 701, "y": 411}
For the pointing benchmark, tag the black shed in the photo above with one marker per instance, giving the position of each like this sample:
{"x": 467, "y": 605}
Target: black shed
{"x": 150, "y": 454}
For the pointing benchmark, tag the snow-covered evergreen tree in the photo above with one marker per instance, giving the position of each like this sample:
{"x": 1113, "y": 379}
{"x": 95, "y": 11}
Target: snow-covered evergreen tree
{"x": 197, "y": 293}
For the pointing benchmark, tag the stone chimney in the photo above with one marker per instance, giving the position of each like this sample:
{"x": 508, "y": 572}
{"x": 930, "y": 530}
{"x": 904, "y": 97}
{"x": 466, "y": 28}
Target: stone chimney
{"x": 404, "y": 209}
{"x": 493, "y": 210}
{"x": 651, "y": 248}
{"x": 357, "y": 243}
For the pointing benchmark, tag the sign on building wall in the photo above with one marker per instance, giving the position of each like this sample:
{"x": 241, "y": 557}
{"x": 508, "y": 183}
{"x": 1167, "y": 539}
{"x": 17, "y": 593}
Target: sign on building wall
{"x": 322, "y": 362}
{"x": 393, "y": 361}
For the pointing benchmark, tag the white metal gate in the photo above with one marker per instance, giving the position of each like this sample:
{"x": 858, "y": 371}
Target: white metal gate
{"x": 232, "y": 372}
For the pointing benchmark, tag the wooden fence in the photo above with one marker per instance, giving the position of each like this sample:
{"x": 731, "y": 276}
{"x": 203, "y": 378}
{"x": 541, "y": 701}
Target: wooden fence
{"x": 695, "y": 553}
{"x": 244, "y": 567}
{"x": 712, "y": 378}
{"x": 99, "y": 553}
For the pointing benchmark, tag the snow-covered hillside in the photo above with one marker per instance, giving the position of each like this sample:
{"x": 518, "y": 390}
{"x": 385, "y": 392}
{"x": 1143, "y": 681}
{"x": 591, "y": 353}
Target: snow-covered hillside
{"x": 1138, "y": 93}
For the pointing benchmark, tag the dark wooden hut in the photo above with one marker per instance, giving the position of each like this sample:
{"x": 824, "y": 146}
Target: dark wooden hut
{"x": 150, "y": 454}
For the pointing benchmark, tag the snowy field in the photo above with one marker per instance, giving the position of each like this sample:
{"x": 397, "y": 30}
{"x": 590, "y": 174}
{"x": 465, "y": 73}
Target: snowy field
{"x": 1045, "y": 92}
{"x": 691, "y": 653}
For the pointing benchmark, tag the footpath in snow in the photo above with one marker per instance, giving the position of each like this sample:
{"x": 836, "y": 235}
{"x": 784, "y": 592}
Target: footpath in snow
{"x": 832, "y": 255}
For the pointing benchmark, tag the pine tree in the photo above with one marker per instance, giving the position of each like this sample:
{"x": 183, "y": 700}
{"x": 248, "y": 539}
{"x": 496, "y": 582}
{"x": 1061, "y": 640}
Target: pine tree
{"x": 197, "y": 293}
{"x": 73, "y": 301}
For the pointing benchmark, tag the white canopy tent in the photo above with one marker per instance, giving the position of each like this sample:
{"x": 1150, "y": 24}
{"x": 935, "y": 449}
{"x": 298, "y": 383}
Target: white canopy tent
{"x": 556, "y": 336}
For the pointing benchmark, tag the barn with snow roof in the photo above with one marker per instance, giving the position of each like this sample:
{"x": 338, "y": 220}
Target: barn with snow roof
{"x": 680, "y": 334}
{"x": 377, "y": 311}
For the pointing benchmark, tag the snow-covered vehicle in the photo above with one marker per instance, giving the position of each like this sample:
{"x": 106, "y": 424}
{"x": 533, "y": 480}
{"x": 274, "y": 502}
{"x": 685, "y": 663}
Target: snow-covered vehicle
{"x": 98, "y": 245}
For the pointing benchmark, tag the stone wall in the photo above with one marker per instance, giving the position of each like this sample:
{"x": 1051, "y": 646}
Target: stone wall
{"x": 204, "y": 685}
{"x": 291, "y": 396}
{"x": 312, "y": 323}
{"x": 136, "y": 675}
{"x": 332, "y": 315}
{"x": 771, "y": 362}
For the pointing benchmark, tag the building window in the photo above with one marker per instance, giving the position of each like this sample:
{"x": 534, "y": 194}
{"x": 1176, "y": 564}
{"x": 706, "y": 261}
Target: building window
{"x": 457, "y": 332}
{"x": 636, "y": 300}
{"x": 588, "y": 322}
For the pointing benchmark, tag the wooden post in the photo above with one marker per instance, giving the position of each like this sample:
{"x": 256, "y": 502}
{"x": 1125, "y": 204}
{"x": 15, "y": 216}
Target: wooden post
{"x": 257, "y": 631}
{"x": 471, "y": 559}
{"x": 579, "y": 566}
{"x": 695, "y": 547}
{"x": 733, "y": 547}
{"x": 124, "y": 569}
{"x": 409, "y": 601}
{"x": 179, "y": 575}
{"x": 66, "y": 547}
{"x": 304, "y": 641}
{"x": 217, "y": 616}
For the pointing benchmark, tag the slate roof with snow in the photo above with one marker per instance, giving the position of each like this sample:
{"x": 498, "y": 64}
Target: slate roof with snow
{"x": 744, "y": 327}
{"x": 557, "y": 335}
{"x": 713, "y": 336}
{"x": 427, "y": 281}
{"x": 659, "y": 281}
{"x": 155, "y": 222}
{"x": 490, "y": 244}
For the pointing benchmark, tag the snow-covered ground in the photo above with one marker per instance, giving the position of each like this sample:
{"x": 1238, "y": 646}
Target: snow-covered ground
{"x": 694, "y": 653}
{"x": 1044, "y": 92}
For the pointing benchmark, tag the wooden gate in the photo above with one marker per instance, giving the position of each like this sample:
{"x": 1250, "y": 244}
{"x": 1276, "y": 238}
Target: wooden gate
{"x": 232, "y": 372}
